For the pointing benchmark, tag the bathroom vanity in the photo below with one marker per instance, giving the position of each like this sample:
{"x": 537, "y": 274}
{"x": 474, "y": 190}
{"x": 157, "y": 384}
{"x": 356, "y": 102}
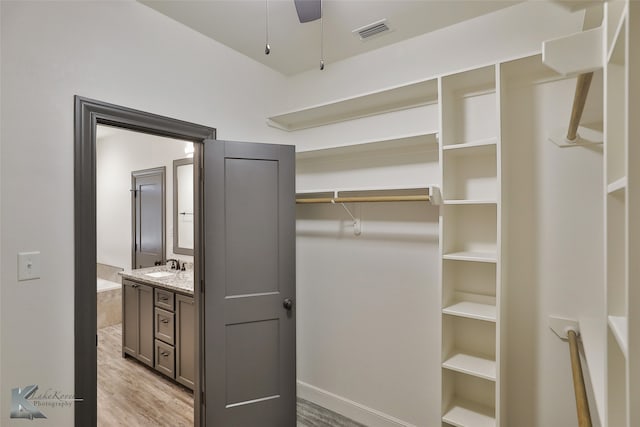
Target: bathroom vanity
{"x": 158, "y": 324}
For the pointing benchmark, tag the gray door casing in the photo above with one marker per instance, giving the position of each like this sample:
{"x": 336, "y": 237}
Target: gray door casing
{"x": 148, "y": 201}
{"x": 249, "y": 270}
{"x": 89, "y": 113}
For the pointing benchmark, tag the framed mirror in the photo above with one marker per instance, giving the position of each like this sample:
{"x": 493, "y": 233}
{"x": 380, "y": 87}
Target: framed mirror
{"x": 183, "y": 206}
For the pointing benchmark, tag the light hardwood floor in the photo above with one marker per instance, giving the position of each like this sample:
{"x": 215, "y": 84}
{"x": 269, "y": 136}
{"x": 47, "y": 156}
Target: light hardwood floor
{"x": 132, "y": 395}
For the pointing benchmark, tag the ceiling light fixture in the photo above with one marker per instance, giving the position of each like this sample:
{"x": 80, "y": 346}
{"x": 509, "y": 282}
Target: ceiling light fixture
{"x": 189, "y": 149}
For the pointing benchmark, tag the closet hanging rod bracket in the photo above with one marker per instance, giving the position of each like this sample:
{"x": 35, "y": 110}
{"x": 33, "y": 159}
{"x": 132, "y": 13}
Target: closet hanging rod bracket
{"x": 562, "y": 325}
{"x": 357, "y": 225}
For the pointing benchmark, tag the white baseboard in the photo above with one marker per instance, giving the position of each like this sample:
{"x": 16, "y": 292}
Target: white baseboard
{"x": 350, "y": 409}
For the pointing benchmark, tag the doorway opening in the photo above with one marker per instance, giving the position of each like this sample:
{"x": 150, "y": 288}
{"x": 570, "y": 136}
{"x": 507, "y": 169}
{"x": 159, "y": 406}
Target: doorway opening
{"x": 145, "y": 326}
{"x": 88, "y": 115}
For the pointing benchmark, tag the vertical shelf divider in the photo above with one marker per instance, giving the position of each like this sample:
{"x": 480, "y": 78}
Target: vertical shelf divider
{"x": 622, "y": 208}
{"x": 470, "y": 245}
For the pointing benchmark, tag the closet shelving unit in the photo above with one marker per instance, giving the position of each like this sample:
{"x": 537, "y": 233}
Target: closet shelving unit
{"x": 470, "y": 247}
{"x": 621, "y": 211}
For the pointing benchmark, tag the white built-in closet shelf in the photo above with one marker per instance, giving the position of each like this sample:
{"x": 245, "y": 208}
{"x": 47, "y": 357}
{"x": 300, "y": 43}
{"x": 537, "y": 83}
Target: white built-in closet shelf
{"x": 469, "y": 202}
{"x": 465, "y": 148}
{"x": 472, "y": 310}
{"x": 478, "y": 366}
{"x": 465, "y": 414}
{"x": 619, "y": 328}
{"x": 471, "y": 256}
{"x": 392, "y": 99}
{"x": 617, "y": 185}
{"x": 326, "y": 196}
{"x": 424, "y": 141}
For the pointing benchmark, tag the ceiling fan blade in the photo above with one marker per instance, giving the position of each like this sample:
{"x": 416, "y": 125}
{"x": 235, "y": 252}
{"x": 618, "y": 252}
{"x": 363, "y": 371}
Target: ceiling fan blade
{"x": 308, "y": 10}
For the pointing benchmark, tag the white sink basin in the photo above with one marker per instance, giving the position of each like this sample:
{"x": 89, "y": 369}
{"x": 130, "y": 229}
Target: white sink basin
{"x": 159, "y": 274}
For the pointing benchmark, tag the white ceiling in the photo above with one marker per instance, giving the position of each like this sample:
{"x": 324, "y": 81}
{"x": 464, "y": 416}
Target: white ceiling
{"x": 295, "y": 47}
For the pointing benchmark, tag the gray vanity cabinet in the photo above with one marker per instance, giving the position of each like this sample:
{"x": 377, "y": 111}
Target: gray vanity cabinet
{"x": 185, "y": 341}
{"x": 137, "y": 325}
{"x": 158, "y": 329}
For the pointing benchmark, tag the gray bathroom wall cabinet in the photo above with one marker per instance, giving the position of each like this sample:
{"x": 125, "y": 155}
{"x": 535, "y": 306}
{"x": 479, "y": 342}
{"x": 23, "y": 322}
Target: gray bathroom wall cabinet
{"x": 161, "y": 322}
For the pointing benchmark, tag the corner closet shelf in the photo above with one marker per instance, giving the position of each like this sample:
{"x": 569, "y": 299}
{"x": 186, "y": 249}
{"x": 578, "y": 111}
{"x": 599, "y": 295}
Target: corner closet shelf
{"x": 393, "y": 99}
{"x": 617, "y": 185}
{"x": 465, "y": 414}
{"x": 469, "y": 364}
{"x": 478, "y": 144}
{"x": 427, "y": 140}
{"x": 472, "y": 310}
{"x": 619, "y": 328}
{"x": 471, "y": 256}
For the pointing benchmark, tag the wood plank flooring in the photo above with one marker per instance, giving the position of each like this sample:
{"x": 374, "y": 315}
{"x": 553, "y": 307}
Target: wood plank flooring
{"x": 312, "y": 415}
{"x": 132, "y": 395}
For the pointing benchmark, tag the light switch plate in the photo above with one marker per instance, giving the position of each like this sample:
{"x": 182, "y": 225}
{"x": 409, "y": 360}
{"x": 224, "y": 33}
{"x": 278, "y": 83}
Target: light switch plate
{"x": 28, "y": 265}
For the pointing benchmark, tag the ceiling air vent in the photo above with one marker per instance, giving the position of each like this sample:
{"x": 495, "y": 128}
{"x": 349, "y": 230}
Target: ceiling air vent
{"x": 371, "y": 30}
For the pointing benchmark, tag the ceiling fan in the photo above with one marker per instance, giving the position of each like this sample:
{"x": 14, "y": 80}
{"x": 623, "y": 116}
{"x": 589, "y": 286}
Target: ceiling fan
{"x": 308, "y": 10}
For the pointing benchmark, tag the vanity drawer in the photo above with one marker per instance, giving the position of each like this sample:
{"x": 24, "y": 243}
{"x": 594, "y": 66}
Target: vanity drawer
{"x": 165, "y": 359}
{"x": 164, "y": 299}
{"x": 164, "y": 325}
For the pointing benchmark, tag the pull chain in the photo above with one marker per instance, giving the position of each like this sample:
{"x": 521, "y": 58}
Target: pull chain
{"x": 267, "y": 48}
{"x": 321, "y": 36}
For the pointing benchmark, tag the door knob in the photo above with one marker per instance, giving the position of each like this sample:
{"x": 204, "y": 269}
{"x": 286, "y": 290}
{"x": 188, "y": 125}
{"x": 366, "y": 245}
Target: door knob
{"x": 287, "y": 303}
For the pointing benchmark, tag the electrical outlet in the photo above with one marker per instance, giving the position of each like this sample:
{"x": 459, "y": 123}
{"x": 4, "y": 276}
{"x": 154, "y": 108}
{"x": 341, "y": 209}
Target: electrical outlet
{"x": 28, "y": 265}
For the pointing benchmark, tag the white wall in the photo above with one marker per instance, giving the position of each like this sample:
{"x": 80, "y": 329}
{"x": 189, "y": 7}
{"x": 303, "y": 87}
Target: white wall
{"x": 119, "y": 153}
{"x": 119, "y": 52}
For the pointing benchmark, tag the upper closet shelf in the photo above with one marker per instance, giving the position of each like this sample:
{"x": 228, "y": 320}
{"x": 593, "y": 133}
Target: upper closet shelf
{"x": 368, "y": 104}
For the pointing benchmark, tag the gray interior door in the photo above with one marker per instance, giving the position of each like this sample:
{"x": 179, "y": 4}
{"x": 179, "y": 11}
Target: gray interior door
{"x": 249, "y": 273}
{"x": 148, "y": 217}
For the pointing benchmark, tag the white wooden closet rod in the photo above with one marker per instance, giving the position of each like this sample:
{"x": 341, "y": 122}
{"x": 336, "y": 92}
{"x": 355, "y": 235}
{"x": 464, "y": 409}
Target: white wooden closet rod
{"x": 364, "y": 199}
{"x": 582, "y": 90}
{"x": 582, "y": 404}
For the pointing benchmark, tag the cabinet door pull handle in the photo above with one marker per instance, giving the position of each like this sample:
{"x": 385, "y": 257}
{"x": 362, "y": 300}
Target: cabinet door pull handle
{"x": 164, "y": 297}
{"x": 164, "y": 353}
{"x": 164, "y": 320}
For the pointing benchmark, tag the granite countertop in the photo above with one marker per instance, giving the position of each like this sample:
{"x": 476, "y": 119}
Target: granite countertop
{"x": 180, "y": 281}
